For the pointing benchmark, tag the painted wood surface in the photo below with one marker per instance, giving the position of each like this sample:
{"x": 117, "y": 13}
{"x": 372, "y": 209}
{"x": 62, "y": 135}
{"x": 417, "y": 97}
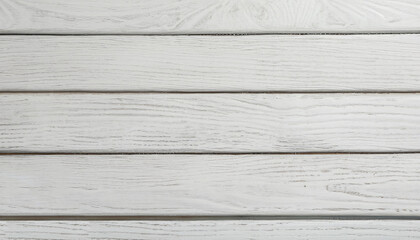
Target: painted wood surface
{"x": 210, "y": 63}
{"x": 203, "y": 123}
{"x": 204, "y": 16}
{"x": 209, "y": 184}
{"x": 296, "y": 230}
{"x": 367, "y": 184}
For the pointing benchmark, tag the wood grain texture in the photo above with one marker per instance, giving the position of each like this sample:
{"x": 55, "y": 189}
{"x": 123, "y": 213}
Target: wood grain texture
{"x": 210, "y": 63}
{"x": 384, "y": 184}
{"x": 209, "y": 122}
{"x": 232, "y": 230}
{"x": 203, "y": 16}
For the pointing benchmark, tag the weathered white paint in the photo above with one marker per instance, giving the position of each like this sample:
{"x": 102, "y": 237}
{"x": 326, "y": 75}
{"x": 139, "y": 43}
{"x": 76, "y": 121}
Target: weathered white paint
{"x": 210, "y": 63}
{"x": 209, "y": 122}
{"x": 266, "y": 184}
{"x": 384, "y": 184}
{"x": 214, "y": 230}
{"x": 208, "y": 16}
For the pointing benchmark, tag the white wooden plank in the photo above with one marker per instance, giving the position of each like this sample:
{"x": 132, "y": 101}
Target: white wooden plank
{"x": 232, "y": 230}
{"x": 210, "y": 184}
{"x": 210, "y": 63}
{"x": 204, "y": 16}
{"x": 102, "y": 122}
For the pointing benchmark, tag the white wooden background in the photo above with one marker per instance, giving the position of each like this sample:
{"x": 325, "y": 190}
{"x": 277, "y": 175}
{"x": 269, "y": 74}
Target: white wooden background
{"x": 356, "y": 184}
{"x": 251, "y": 63}
{"x": 208, "y": 230}
{"x": 209, "y": 119}
{"x": 208, "y": 16}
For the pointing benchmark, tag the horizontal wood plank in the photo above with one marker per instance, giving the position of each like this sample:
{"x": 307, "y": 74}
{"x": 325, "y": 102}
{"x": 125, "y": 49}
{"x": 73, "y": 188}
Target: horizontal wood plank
{"x": 204, "y": 16}
{"x": 383, "y": 184}
{"x": 232, "y": 230}
{"x": 208, "y": 123}
{"x": 210, "y": 63}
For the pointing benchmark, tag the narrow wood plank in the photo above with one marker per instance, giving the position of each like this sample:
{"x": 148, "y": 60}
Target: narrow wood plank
{"x": 210, "y": 63}
{"x": 203, "y": 16}
{"x": 296, "y": 230}
{"x": 210, "y": 184}
{"x": 227, "y": 123}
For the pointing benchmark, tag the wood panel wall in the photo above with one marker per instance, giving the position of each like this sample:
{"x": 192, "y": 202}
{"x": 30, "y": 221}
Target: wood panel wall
{"x": 209, "y": 119}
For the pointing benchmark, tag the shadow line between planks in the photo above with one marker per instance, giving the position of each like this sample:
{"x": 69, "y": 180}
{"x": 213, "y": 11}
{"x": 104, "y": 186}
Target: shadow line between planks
{"x": 203, "y": 217}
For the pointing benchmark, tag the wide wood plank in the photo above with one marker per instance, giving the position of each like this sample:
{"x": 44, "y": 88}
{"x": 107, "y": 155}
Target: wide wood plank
{"x": 210, "y": 63}
{"x": 204, "y": 16}
{"x": 210, "y": 184}
{"x": 296, "y": 230}
{"x": 159, "y": 123}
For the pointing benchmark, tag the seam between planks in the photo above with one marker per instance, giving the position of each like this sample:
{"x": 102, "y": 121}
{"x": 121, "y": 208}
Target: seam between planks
{"x": 215, "y": 34}
{"x": 209, "y": 153}
{"x": 201, "y": 217}
{"x": 205, "y": 92}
